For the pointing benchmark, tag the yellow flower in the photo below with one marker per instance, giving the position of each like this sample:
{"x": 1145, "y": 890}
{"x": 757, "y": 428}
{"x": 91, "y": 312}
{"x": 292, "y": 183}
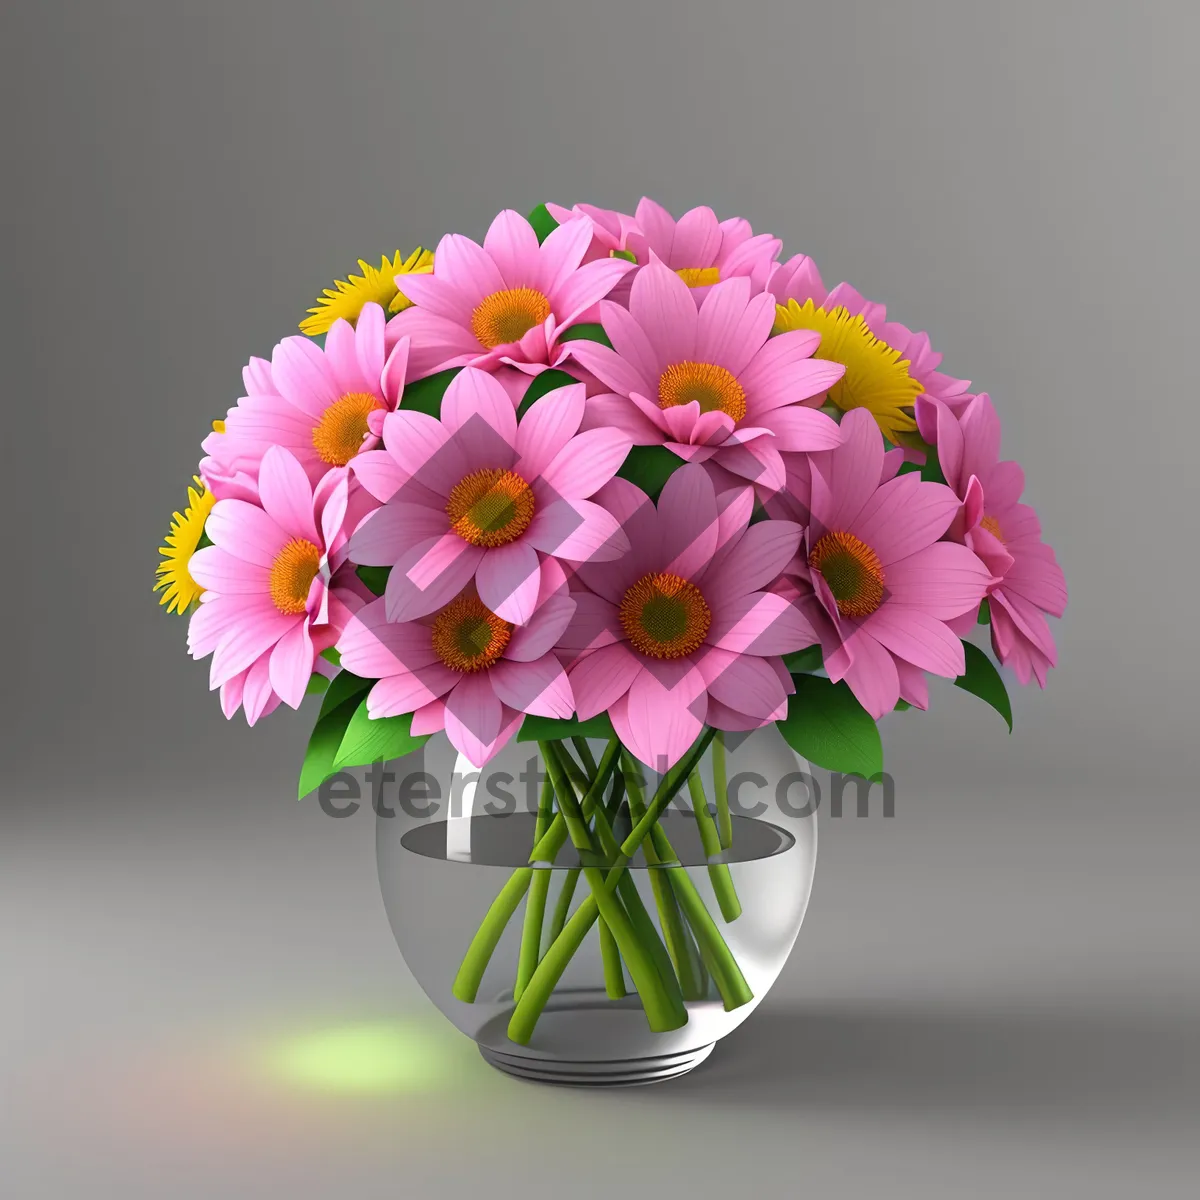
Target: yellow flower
{"x": 347, "y": 296}
{"x": 876, "y": 378}
{"x": 181, "y": 590}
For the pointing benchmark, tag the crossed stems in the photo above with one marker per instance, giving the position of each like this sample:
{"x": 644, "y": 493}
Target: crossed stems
{"x": 665, "y": 970}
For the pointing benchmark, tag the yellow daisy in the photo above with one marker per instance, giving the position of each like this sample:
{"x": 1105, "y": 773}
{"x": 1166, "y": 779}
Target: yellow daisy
{"x": 876, "y": 378}
{"x": 179, "y": 590}
{"x": 347, "y": 296}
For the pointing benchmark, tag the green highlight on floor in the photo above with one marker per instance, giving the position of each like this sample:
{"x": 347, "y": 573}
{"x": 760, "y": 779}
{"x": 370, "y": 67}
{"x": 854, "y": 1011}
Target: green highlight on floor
{"x": 369, "y": 1058}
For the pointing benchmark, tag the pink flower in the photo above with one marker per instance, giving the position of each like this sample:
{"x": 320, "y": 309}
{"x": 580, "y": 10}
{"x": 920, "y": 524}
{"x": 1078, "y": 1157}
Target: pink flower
{"x": 875, "y": 581}
{"x": 480, "y": 496}
{"x": 464, "y": 669}
{"x": 679, "y": 632}
{"x": 323, "y": 406}
{"x": 610, "y": 229}
{"x": 1004, "y": 533}
{"x": 798, "y": 279}
{"x": 701, "y": 249}
{"x": 268, "y": 607}
{"x": 711, "y": 384}
{"x": 507, "y": 301}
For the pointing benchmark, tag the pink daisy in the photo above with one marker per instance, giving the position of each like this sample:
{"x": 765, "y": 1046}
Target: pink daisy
{"x": 1004, "y": 533}
{"x": 711, "y": 384}
{"x": 323, "y": 405}
{"x": 679, "y": 633}
{"x": 464, "y": 669}
{"x": 610, "y": 229}
{"x": 269, "y": 607}
{"x": 798, "y": 279}
{"x": 701, "y": 249}
{"x": 874, "y": 579}
{"x": 481, "y": 496}
{"x": 507, "y": 301}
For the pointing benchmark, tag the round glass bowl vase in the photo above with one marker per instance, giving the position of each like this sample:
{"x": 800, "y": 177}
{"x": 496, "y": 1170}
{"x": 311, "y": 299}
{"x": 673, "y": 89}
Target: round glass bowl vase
{"x": 546, "y": 975}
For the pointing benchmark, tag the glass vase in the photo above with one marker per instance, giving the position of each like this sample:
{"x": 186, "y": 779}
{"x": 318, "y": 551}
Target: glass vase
{"x": 586, "y": 920}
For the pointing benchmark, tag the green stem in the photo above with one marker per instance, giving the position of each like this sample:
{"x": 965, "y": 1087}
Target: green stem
{"x": 661, "y": 1011}
{"x": 558, "y": 955}
{"x": 562, "y": 905}
{"x": 535, "y": 905}
{"x": 610, "y": 956}
{"x": 483, "y": 945}
{"x": 680, "y": 946}
{"x": 721, "y": 787}
{"x": 718, "y": 872}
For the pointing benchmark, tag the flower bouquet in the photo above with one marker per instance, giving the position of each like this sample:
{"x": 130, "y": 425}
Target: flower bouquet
{"x": 628, "y": 488}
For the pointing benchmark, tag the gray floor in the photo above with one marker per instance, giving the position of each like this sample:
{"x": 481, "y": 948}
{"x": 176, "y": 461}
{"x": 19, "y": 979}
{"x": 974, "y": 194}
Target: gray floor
{"x": 992, "y": 995}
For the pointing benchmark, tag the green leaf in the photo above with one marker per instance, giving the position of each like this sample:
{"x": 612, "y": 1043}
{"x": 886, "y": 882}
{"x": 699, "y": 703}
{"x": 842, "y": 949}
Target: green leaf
{"x": 546, "y": 729}
{"x": 547, "y": 381}
{"x": 985, "y": 613}
{"x": 804, "y": 661}
{"x": 627, "y": 255}
{"x": 588, "y": 332}
{"x": 983, "y": 680}
{"x": 826, "y": 725}
{"x": 331, "y": 655}
{"x": 374, "y": 577}
{"x": 316, "y": 685}
{"x": 902, "y": 706}
{"x": 543, "y": 223}
{"x": 425, "y": 395}
{"x": 650, "y": 467}
{"x": 342, "y": 698}
{"x": 367, "y": 741}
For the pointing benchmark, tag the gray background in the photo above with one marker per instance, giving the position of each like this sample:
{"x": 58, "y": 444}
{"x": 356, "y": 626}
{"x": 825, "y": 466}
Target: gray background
{"x": 996, "y": 991}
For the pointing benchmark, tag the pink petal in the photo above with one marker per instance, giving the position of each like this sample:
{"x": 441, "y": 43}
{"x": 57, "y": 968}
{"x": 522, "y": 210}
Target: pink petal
{"x": 407, "y": 691}
{"x": 662, "y": 304}
{"x": 467, "y": 266}
{"x": 302, "y": 376}
{"x": 843, "y": 480}
{"x": 872, "y": 674}
{"x": 657, "y": 724}
{"x": 443, "y": 567}
{"x": 687, "y": 510}
{"x": 760, "y": 623}
{"x": 246, "y": 640}
{"x": 753, "y": 561}
{"x": 943, "y": 580}
{"x": 731, "y": 327}
{"x": 610, "y": 368}
{"x": 291, "y": 664}
{"x": 372, "y": 646}
{"x": 287, "y": 497}
{"x": 797, "y": 428}
{"x": 394, "y": 373}
{"x": 598, "y": 680}
{"x": 393, "y": 530}
{"x": 246, "y": 531}
{"x": 539, "y": 687}
{"x": 544, "y": 629}
{"x": 586, "y": 287}
{"x": 429, "y": 718}
{"x": 473, "y": 716}
{"x": 759, "y": 461}
{"x": 914, "y": 684}
{"x": 513, "y": 246}
{"x": 914, "y": 635}
{"x": 578, "y": 531}
{"x": 379, "y": 473}
{"x": 341, "y": 358}
{"x": 904, "y": 516}
{"x": 560, "y": 255}
{"x": 696, "y": 240}
{"x": 437, "y": 342}
{"x": 217, "y": 570}
{"x": 586, "y": 463}
{"x": 549, "y": 424}
{"x": 258, "y": 699}
{"x": 472, "y": 396}
{"x": 593, "y": 625}
{"x": 508, "y": 578}
{"x": 743, "y": 682}
{"x": 630, "y": 343}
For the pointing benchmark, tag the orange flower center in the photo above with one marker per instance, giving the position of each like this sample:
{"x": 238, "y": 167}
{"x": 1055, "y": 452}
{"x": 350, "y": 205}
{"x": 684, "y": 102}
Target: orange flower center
{"x": 699, "y": 276}
{"x": 508, "y": 316}
{"x": 339, "y": 434}
{"x": 664, "y": 616}
{"x": 292, "y": 573}
{"x": 852, "y": 570}
{"x": 993, "y": 527}
{"x": 468, "y": 636}
{"x": 713, "y": 387}
{"x": 491, "y": 507}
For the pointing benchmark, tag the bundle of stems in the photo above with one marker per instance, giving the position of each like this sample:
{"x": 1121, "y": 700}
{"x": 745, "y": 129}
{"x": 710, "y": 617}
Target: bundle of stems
{"x": 681, "y": 957}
